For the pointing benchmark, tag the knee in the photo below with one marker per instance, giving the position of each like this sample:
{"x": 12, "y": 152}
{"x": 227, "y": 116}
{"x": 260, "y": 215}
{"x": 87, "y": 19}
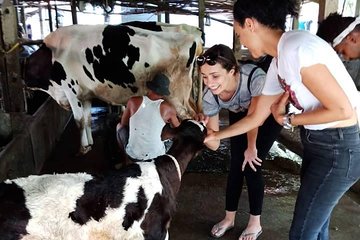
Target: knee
{"x": 122, "y": 134}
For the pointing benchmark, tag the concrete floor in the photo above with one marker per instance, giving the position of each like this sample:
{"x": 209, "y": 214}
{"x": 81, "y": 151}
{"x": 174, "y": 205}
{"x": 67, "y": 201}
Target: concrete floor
{"x": 201, "y": 197}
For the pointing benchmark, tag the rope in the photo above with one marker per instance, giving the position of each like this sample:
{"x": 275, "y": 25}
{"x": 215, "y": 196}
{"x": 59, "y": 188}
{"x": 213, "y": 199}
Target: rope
{"x": 11, "y": 49}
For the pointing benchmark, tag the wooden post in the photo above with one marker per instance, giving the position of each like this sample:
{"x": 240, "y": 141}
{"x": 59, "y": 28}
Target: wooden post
{"x": 167, "y": 14}
{"x": 12, "y": 101}
{"x": 159, "y": 14}
{"x": 41, "y": 21}
{"x": 23, "y": 18}
{"x": 357, "y": 8}
{"x": 326, "y": 7}
{"x": 201, "y": 14}
{"x": 50, "y": 16}
{"x": 12, "y": 87}
{"x": 56, "y": 15}
{"x": 73, "y": 11}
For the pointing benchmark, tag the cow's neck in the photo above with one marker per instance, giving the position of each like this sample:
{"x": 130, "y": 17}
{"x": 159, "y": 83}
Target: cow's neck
{"x": 183, "y": 153}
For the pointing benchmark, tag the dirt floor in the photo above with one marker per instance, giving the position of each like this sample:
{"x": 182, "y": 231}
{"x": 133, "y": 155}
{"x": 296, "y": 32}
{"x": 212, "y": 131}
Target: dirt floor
{"x": 202, "y": 194}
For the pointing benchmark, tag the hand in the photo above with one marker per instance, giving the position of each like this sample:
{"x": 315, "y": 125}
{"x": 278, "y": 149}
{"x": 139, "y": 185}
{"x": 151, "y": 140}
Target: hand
{"x": 250, "y": 156}
{"x": 211, "y": 136}
{"x": 200, "y": 117}
{"x": 278, "y": 108}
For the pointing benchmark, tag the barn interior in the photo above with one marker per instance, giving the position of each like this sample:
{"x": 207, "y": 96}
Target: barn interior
{"x": 37, "y": 136}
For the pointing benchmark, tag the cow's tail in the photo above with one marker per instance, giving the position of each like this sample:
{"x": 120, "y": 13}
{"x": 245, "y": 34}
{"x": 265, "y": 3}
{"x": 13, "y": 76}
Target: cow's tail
{"x": 198, "y": 79}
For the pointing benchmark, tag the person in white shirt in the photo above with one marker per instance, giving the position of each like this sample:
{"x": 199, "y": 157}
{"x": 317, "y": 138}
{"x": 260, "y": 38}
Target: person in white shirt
{"x": 309, "y": 74}
{"x": 142, "y": 122}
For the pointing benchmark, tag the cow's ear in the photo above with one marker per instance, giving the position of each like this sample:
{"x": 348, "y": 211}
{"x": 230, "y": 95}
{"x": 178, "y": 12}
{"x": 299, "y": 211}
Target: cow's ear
{"x": 168, "y": 132}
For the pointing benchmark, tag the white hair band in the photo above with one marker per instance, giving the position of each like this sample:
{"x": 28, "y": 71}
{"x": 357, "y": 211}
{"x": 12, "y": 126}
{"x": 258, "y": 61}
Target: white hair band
{"x": 344, "y": 33}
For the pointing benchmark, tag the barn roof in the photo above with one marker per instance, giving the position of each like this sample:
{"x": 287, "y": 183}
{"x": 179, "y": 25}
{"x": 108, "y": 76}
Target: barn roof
{"x": 187, "y": 7}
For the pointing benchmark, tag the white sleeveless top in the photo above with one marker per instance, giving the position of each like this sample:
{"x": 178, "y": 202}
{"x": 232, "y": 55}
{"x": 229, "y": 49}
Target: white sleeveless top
{"x": 145, "y": 128}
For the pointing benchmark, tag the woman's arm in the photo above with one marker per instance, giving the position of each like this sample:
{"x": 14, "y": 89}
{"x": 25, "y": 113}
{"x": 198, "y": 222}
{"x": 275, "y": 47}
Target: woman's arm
{"x": 250, "y": 154}
{"x": 252, "y": 134}
{"x": 335, "y": 104}
{"x": 213, "y": 125}
{"x": 250, "y": 121}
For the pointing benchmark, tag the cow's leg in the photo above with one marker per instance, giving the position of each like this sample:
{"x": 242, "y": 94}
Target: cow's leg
{"x": 81, "y": 123}
{"x": 87, "y": 121}
{"x": 80, "y": 109}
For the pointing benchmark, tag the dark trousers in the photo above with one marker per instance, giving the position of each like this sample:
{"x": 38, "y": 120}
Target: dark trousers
{"x": 267, "y": 134}
{"x": 330, "y": 166}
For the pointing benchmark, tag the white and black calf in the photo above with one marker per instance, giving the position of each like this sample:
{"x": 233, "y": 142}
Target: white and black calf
{"x": 113, "y": 62}
{"x": 136, "y": 202}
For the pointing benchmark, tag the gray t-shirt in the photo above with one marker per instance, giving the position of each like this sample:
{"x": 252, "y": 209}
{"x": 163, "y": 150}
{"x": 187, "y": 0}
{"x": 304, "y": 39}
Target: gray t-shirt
{"x": 242, "y": 97}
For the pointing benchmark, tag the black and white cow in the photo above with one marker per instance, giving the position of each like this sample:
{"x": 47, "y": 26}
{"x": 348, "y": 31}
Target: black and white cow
{"x": 136, "y": 202}
{"x": 112, "y": 62}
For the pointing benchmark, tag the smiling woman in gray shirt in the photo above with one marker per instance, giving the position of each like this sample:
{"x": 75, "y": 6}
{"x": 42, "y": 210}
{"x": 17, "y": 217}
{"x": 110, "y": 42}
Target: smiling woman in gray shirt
{"x": 236, "y": 88}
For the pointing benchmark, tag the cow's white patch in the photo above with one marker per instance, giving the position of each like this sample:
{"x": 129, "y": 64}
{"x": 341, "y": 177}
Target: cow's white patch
{"x": 50, "y": 199}
{"x": 176, "y": 165}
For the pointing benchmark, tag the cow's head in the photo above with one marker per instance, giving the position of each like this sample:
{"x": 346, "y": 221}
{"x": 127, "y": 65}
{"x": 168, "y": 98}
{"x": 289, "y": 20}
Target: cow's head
{"x": 37, "y": 68}
{"x": 189, "y": 131}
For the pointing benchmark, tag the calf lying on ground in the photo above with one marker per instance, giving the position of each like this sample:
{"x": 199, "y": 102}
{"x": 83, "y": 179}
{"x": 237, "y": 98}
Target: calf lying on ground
{"x": 136, "y": 202}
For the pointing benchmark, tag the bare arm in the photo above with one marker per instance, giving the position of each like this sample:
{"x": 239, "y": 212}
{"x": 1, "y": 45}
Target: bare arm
{"x": 252, "y": 134}
{"x": 132, "y": 106}
{"x": 251, "y": 121}
{"x": 250, "y": 154}
{"x": 126, "y": 115}
{"x": 213, "y": 125}
{"x": 168, "y": 113}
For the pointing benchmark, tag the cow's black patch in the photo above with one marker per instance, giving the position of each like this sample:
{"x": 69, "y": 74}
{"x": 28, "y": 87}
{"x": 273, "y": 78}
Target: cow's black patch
{"x": 89, "y": 56}
{"x": 38, "y": 68}
{"x": 72, "y": 82}
{"x": 69, "y": 85}
{"x": 152, "y": 26}
{"x": 88, "y": 73}
{"x": 98, "y": 51}
{"x": 133, "y": 89}
{"x": 157, "y": 218}
{"x": 73, "y": 90}
{"x": 14, "y": 216}
{"x": 102, "y": 192}
{"x": 192, "y": 51}
{"x": 108, "y": 61}
{"x": 79, "y": 104}
{"x": 135, "y": 211}
{"x": 58, "y": 73}
{"x": 146, "y": 65}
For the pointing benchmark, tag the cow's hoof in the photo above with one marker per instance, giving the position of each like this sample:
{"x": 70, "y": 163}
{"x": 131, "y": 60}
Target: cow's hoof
{"x": 84, "y": 150}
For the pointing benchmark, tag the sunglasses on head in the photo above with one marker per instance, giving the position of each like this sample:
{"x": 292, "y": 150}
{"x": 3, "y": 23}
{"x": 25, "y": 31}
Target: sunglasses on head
{"x": 211, "y": 60}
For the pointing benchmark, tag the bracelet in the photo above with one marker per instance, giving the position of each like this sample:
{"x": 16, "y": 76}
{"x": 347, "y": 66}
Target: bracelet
{"x": 287, "y": 121}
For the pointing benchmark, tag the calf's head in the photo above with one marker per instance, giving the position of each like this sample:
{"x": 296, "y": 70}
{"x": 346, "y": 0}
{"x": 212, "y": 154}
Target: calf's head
{"x": 188, "y": 137}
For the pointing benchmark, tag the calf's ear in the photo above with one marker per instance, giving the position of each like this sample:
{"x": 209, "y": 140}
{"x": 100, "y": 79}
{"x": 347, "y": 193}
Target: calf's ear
{"x": 168, "y": 132}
